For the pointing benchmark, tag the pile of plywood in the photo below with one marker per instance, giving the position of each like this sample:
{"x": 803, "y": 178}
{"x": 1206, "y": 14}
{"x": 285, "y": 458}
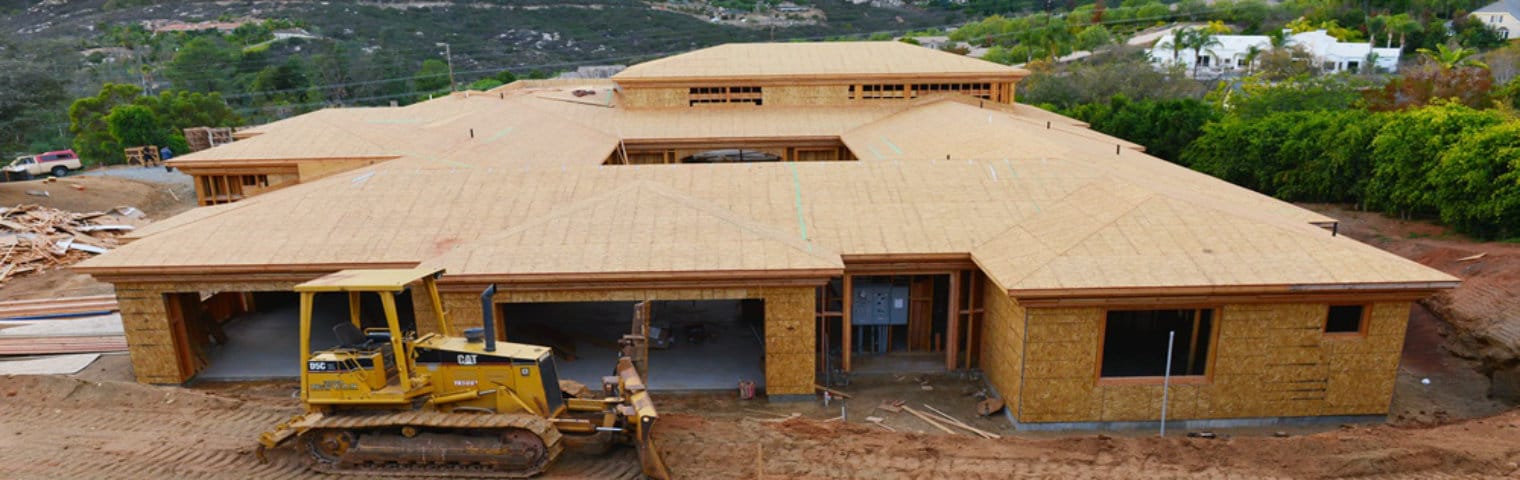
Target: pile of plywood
{"x": 35, "y": 239}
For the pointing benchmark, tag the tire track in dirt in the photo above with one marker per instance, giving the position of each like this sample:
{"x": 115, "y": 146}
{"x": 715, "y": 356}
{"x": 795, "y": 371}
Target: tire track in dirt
{"x": 54, "y": 427}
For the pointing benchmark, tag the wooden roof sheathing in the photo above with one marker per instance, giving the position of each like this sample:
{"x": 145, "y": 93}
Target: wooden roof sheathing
{"x": 813, "y": 60}
{"x": 641, "y": 230}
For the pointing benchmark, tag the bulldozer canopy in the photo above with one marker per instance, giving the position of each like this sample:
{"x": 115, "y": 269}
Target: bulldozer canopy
{"x": 377, "y": 280}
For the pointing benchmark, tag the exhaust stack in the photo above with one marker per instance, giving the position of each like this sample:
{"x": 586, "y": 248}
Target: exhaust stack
{"x": 488, "y": 313}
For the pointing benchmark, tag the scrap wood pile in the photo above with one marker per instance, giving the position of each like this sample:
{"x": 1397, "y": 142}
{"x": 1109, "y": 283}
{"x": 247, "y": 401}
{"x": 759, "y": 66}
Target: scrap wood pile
{"x": 34, "y": 239}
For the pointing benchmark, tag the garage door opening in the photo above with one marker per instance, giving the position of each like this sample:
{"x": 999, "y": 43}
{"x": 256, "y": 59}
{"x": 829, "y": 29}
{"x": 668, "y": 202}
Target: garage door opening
{"x": 695, "y": 345}
{"x": 258, "y": 337}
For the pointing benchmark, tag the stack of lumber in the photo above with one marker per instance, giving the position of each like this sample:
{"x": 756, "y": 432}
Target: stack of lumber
{"x": 35, "y": 239}
{"x": 48, "y": 307}
{"x": 95, "y": 334}
{"x": 201, "y": 138}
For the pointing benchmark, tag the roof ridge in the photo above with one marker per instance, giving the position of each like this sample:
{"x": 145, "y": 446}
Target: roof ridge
{"x": 1069, "y": 201}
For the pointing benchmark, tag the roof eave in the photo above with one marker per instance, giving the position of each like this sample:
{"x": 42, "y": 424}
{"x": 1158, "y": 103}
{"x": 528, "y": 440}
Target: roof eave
{"x": 1411, "y": 289}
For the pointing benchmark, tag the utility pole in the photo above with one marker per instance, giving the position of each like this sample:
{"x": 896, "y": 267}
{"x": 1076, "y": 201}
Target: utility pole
{"x": 448, "y": 56}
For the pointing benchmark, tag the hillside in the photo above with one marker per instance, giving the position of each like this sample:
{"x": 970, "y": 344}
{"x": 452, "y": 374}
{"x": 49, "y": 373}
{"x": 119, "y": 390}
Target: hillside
{"x": 357, "y": 53}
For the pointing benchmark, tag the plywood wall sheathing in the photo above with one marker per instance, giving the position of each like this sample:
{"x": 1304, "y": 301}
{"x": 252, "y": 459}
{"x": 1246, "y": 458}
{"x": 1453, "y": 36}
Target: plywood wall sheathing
{"x": 1269, "y": 360}
{"x": 1002, "y": 342}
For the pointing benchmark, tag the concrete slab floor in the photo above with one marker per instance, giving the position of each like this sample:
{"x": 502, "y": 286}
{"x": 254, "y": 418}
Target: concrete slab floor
{"x": 733, "y": 351}
{"x": 263, "y": 345}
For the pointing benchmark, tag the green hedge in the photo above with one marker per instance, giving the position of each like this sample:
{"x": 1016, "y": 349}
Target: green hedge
{"x": 1448, "y": 160}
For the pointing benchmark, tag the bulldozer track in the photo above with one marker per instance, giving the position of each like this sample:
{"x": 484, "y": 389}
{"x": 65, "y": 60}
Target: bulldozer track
{"x": 540, "y": 427}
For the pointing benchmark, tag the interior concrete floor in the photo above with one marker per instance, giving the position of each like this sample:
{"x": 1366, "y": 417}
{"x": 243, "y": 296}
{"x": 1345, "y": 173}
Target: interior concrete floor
{"x": 733, "y": 351}
{"x": 263, "y": 345}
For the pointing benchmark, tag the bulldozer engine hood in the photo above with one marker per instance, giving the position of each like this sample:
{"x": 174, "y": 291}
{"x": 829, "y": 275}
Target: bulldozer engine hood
{"x": 459, "y": 357}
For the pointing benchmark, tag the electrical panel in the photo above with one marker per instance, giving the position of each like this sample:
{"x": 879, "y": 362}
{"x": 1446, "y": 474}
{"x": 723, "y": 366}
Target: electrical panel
{"x": 880, "y": 304}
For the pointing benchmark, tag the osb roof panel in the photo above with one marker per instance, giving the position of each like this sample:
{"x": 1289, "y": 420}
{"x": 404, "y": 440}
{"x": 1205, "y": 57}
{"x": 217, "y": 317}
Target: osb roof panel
{"x": 411, "y": 209}
{"x": 639, "y": 228}
{"x": 965, "y": 131}
{"x": 706, "y": 122}
{"x": 821, "y": 59}
{"x": 1142, "y": 239}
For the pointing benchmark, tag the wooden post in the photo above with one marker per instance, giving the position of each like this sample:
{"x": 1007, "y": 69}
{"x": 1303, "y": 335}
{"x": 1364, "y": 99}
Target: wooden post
{"x": 953, "y": 332}
{"x": 844, "y": 334}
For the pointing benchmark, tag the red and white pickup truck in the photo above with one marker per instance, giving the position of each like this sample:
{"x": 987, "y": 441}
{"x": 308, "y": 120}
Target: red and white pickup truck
{"x": 58, "y": 163}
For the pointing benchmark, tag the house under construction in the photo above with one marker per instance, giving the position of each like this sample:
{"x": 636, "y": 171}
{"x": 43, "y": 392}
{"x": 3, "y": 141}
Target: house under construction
{"x": 788, "y": 210}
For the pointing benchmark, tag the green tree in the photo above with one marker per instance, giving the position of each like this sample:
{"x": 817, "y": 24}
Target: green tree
{"x": 31, "y": 94}
{"x": 281, "y": 83}
{"x": 433, "y": 76}
{"x": 1177, "y": 42}
{"x": 133, "y": 125}
{"x": 505, "y": 77}
{"x": 484, "y": 84}
{"x": 1092, "y": 37}
{"x": 1165, "y": 127}
{"x": 87, "y": 121}
{"x": 1403, "y": 25}
{"x": 1198, "y": 40}
{"x": 178, "y": 110}
{"x": 1450, "y": 58}
{"x": 1258, "y": 96}
{"x": 1477, "y": 182}
{"x": 1409, "y": 145}
{"x": 204, "y": 64}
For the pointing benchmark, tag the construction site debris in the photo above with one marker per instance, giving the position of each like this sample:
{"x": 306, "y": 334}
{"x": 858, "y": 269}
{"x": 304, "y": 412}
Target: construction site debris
{"x": 929, "y": 420}
{"x": 1470, "y": 258}
{"x": 989, "y": 406}
{"x": 35, "y": 239}
{"x": 49, "y": 307}
{"x": 836, "y": 393}
{"x": 38, "y": 193}
{"x": 958, "y": 423}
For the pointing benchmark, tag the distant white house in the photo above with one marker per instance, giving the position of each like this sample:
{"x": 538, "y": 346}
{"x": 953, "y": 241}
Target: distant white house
{"x": 1503, "y": 15}
{"x": 1229, "y": 56}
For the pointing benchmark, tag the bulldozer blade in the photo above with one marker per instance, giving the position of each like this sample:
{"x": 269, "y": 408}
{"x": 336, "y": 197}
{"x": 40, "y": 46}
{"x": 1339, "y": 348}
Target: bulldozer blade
{"x": 649, "y": 453}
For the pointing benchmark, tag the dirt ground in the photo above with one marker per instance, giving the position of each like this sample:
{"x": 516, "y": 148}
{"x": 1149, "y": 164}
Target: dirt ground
{"x": 102, "y": 190}
{"x": 97, "y": 425}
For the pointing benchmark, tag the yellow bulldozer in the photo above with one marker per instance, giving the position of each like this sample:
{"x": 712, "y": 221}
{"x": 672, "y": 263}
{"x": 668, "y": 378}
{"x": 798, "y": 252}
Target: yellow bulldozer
{"x": 389, "y": 401}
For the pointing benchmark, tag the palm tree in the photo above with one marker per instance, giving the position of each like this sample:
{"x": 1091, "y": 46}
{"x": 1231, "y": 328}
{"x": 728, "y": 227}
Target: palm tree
{"x": 1374, "y": 26}
{"x": 1251, "y": 54}
{"x": 1177, "y": 43}
{"x": 1278, "y": 39}
{"x": 1449, "y": 58}
{"x": 1404, "y": 25}
{"x": 1197, "y": 40}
